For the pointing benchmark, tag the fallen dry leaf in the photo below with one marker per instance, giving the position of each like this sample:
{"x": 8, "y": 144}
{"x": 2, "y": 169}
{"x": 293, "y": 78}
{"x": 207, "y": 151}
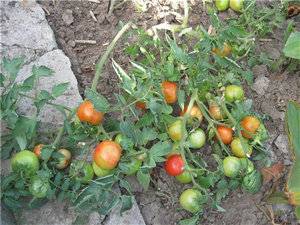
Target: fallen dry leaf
{"x": 273, "y": 172}
{"x": 293, "y": 10}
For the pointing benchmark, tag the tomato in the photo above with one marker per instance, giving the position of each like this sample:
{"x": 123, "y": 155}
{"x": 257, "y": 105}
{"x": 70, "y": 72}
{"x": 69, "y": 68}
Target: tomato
{"x": 224, "y": 52}
{"x": 140, "y": 105}
{"x": 225, "y": 134}
{"x": 169, "y": 90}
{"x": 185, "y": 177}
{"x": 234, "y": 93}
{"x": 194, "y": 113}
{"x": 174, "y": 165}
{"x": 247, "y": 165}
{"x": 197, "y": 139}
{"x": 64, "y": 161}
{"x": 81, "y": 171}
{"x": 87, "y": 113}
{"x": 222, "y": 5}
{"x": 26, "y": 162}
{"x": 250, "y": 125}
{"x": 252, "y": 182}
{"x": 39, "y": 187}
{"x": 107, "y": 154}
{"x": 130, "y": 167}
{"x": 237, "y": 148}
{"x": 215, "y": 111}
{"x": 175, "y": 130}
{"x": 189, "y": 200}
{"x": 236, "y": 5}
{"x": 119, "y": 138}
{"x": 231, "y": 166}
{"x": 37, "y": 150}
{"x": 101, "y": 172}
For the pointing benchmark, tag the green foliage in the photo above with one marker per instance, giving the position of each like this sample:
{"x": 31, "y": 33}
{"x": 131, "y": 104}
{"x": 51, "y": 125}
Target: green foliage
{"x": 292, "y": 46}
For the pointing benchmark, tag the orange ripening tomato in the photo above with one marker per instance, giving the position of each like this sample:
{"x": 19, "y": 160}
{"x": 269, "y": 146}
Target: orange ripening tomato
{"x": 224, "y": 52}
{"x": 140, "y": 105}
{"x": 225, "y": 134}
{"x": 250, "y": 124}
{"x": 37, "y": 150}
{"x": 87, "y": 113}
{"x": 169, "y": 90}
{"x": 107, "y": 154}
{"x": 194, "y": 113}
{"x": 215, "y": 111}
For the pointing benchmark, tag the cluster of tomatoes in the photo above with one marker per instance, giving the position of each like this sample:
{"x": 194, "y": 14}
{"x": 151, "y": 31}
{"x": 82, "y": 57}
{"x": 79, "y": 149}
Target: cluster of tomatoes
{"x": 236, "y": 5}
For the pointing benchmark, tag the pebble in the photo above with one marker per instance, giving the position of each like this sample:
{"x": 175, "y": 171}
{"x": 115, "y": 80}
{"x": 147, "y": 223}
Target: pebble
{"x": 261, "y": 85}
{"x": 282, "y": 143}
{"x": 68, "y": 17}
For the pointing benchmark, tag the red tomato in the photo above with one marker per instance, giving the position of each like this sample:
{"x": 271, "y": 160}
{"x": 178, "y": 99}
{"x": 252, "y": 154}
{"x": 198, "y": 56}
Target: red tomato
{"x": 37, "y": 150}
{"x": 250, "y": 124}
{"x": 174, "y": 165}
{"x": 169, "y": 90}
{"x": 107, "y": 154}
{"x": 87, "y": 113}
{"x": 225, "y": 134}
{"x": 140, "y": 105}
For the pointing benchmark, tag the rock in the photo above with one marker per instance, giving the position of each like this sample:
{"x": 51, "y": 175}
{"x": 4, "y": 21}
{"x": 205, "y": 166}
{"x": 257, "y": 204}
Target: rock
{"x": 7, "y": 217}
{"x": 132, "y": 216}
{"x": 282, "y": 143}
{"x": 260, "y": 70}
{"x": 67, "y": 17}
{"x": 261, "y": 85}
{"x": 25, "y": 27}
{"x": 60, "y": 64}
{"x": 271, "y": 110}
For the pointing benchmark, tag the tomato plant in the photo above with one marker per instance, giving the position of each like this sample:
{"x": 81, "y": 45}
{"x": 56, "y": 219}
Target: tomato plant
{"x": 189, "y": 200}
{"x": 175, "y": 130}
{"x": 234, "y": 93}
{"x": 195, "y": 112}
{"x": 240, "y": 148}
{"x": 87, "y": 113}
{"x": 174, "y": 165}
{"x": 81, "y": 171}
{"x": 39, "y": 187}
{"x": 250, "y": 125}
{"x": 101, "y": 172}
{"x": 64, "y": 160}
{"x": 231, "y": 166}
{"x": 25, "y": 162}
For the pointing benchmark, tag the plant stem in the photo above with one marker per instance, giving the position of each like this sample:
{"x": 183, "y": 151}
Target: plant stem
{"x": 102, "y": 60}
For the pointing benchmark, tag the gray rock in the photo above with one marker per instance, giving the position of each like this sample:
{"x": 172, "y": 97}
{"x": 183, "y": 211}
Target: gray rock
{"x": 25, "y": 26}
{"x": 282, "y": 143}
{"x": 67, "y": 17}
{"x": 260, "y": 85}
{"x": 60, "y": 64}
{"x": 132, "y": 216}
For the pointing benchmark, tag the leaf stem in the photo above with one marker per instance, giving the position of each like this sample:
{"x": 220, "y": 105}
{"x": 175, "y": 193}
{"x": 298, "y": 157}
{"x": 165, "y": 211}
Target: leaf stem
{"x": 102, "y": 60}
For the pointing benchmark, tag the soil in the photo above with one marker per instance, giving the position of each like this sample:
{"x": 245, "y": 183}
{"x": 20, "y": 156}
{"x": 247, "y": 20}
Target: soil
{"x": 71, "y": 20}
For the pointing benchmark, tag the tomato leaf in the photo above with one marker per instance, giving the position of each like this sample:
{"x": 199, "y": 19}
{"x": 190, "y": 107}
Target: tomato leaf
{"x": 160, "y": 149}
{"x": 2, "y": 79}
{"x": 127, "y": 202}
{"x": 41, "y": 71}
{"x": 98, "y": 100}
{"x": 28, "y": 83}
{"x": 12, "y": 66}
{"x": 292, "y": 46}
{"x": 143, "y": 179}
{"x": 59, "y": 89}
{"x": 293, "y": 127}
{"x": 277, "y": 198}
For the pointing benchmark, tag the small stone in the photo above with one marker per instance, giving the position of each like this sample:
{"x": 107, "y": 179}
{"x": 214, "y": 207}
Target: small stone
{"x": 72, "y": 43}
{"x": 282, "y": 143}
{"x": 261, "y": 85}
{"x": 260, "y": 70}
{"x": 68, "y": 17}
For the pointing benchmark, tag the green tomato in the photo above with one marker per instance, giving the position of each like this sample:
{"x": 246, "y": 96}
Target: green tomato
{"x": 184, "y": 178}
{"x": 26, "y": 162}
{"x": 189, "y": 200}
{"x": 39, "y": 187}
{"x": 119, "y": 138}
{"x": 197, "y": 139}
{"x": 130, "y": 167}
{"x": 234, "y": 93}
{"x": 175, "y": 130}
{"x": 222, "y": 4}
{"x": 252, "y": 182}
{"x": 237, "y": 148}
{"x": 101, "y": 172}
{"x": 236, "y": 5}
{"x": 231, "y": 166}
{"x": 81, "y": 171}
{"x": 247, "y": 165}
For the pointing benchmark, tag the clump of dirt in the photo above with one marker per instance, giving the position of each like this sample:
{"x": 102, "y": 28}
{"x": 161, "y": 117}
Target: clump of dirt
{"x": 75, "y": 20}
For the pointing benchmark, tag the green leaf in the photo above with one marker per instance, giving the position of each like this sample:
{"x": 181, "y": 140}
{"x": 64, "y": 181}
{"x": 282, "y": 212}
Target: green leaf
{"x": 292, "y": 46}
{"x": 13, "y": 66}
{"x": 99, "y": 101}
{"x": 59, "y": 89}
{"x": 144, "y": 179}
{"x": 278, "y": 198}
{"x": 127, "y": 202}
{"x": 148, "y": 134}
{"x": 128, "y": 83}
{"x": 46, "y": 153}
{"x": 42, "y": 98}
{"x": 160, "y": 149}
{"x": 28, "y": 83}
{"x": 2, "y": 79}
{"x": 297, "y": 212}
{"x": 41, "y": 71}
{"x": 190, "y": 221}
{"x": 293, "y": 127}
{"x": 125, "y": 184}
